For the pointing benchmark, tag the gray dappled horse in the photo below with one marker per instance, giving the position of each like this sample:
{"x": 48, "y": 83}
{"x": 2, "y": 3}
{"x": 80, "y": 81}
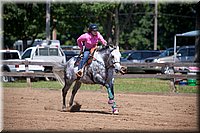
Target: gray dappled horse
{"x": 100, "y": 71}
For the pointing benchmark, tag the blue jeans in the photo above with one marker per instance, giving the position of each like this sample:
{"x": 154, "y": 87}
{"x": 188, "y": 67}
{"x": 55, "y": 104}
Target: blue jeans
{"x": 84, "y": 59}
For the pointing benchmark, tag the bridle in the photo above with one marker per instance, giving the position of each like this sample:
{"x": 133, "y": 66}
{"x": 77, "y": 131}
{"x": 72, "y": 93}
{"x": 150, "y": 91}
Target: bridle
{"x": 113, "y": 62}
{"x": 111, "y": 65}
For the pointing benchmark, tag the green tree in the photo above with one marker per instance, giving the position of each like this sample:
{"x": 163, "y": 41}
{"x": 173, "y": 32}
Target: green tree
{"x": 174, "y": 19}
{"x": 22, "y": 21}
{"x": 197, "y": 41}
{"x": 137, "y": 33}
{"x": 129, "y": 24}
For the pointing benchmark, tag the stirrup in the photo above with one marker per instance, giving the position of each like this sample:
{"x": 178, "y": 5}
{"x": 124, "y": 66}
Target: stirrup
{"x": 79, "y": 74}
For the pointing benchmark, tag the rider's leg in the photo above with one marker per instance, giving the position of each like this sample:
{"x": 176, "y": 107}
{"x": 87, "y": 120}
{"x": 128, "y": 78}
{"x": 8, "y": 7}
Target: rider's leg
{"x": 83, "y": 61}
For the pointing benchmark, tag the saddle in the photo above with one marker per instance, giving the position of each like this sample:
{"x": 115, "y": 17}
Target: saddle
{"x": 79, "y": 58}
{"x": 90, "y": 58}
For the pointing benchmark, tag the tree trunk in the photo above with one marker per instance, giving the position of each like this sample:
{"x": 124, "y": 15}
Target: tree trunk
{"x": 197, "y": 41}
{"x": 117, "y": 26}
{"x": 108, "y": 27}
{"x": 25, "y": 45}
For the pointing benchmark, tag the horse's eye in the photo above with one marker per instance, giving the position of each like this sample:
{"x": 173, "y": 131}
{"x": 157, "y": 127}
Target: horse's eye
{"x": 113, "y": 56}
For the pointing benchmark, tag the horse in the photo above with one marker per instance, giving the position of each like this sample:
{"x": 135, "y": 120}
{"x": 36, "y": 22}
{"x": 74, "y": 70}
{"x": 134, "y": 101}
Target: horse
{"x": 100, "y": 71}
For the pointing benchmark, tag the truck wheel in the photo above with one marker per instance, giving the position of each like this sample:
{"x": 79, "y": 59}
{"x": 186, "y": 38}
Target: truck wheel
{"x": 5, "y": 78}
{"x": 48, "y": 70}
{"x": 167, "y": 70}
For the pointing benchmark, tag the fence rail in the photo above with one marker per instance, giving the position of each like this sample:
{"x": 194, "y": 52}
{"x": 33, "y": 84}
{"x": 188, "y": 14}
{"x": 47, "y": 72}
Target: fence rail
{"x": 26, "y": 62}
{"x": 58, "y": 71}
{"x": 130, "y": 64}
{"x": 28, "y": 74}
{"x": 160, "y": 76}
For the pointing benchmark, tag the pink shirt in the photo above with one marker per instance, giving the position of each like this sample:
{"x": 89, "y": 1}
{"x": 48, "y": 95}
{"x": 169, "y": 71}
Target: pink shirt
{"x": 90, "y": 40}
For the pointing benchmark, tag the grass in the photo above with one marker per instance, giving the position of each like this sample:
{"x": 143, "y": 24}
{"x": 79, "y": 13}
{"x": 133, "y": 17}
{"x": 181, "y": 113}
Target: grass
{"x": 121, "y": 85}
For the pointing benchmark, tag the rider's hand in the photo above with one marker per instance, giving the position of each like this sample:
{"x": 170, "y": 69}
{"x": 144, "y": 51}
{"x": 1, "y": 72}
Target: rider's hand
{"x": 106, "y": 43}
{"x": 81, "y": 51}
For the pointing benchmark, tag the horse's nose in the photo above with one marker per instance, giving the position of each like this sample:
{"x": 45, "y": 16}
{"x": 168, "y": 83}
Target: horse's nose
{"x": 123, "y": 70}
{"x": 117, "y": 67}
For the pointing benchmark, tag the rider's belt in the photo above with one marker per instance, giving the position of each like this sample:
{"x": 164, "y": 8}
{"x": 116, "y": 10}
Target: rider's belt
{"x": 87, "y": 49}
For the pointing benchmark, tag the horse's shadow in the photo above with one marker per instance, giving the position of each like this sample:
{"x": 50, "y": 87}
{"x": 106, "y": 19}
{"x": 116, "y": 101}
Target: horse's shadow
{"x": 77, "y": 108}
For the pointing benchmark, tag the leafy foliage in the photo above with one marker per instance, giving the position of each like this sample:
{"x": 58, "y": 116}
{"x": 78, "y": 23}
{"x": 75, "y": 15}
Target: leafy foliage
{"x": 136, "y": 22}
{"x": 22, "y": 21}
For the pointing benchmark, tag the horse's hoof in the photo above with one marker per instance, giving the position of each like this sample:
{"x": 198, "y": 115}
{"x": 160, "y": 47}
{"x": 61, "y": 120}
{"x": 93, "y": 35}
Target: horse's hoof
{"x": 115, "y": 111}
{"x": 64, "y": 109}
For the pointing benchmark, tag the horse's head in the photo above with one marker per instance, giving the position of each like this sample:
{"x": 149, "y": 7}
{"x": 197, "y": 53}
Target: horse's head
{"x": 115, "y": 56}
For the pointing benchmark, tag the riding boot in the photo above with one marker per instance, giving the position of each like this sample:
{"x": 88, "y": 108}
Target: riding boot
{"x": 79, "y": 74}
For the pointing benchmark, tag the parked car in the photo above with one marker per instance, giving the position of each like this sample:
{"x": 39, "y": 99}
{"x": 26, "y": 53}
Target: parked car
{"x": 125, "y": 54}
{"x": 69, "y": 54}
{"x": 12, "y": 55}
{"x": 43, "y": 54}
{"x": 165, "y": 53}
{"x": 55, "y": 43}
{"x": 193, "y": 69}
{"x": 18, "y": 45}
{"x": 184, "y": 54}
{"x": 138, "y": 56}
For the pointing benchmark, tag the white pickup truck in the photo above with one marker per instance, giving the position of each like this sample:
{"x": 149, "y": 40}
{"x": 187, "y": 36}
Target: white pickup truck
{"x": 9, "y": 55}
{"x": 44, "y": 54}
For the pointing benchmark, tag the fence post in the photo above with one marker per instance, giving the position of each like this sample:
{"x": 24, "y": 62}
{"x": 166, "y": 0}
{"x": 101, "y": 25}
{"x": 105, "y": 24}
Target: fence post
{"x": 28, "y": 79}
{"x": 172, "y": 85}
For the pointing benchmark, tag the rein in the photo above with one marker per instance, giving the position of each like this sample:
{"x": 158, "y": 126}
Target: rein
{"x": 112, "y": 65}
{"x": 101, "y": 63}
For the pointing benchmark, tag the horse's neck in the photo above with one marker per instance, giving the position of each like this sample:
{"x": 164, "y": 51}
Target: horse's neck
{"x": 102, "y": 56}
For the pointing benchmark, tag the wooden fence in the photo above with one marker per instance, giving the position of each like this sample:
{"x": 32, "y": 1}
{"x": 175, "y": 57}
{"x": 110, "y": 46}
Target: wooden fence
{"x": 58, "y": 71}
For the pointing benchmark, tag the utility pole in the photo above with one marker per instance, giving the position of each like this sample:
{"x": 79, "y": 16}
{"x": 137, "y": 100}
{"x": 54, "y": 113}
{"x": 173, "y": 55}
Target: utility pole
{"x": 197, "y": 40}
{"x": 54, "y": 32}
{"x": 116, "y": 26}
{"x": 48, "y": 21}
{"x": 155, "y": 25}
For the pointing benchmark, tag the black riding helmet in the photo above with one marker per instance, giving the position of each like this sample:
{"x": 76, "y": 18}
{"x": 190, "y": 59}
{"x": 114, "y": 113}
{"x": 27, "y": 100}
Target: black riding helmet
{"x": 93, "y": 27}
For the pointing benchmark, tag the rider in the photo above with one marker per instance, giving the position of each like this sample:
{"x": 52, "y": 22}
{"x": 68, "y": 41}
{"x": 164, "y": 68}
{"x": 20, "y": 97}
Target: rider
{"x": 88, "y": 43}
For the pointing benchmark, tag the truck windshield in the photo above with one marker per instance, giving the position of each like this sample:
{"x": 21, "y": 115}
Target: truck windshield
{"x": 7, "y": 56}
{"x": 47, "y": 52}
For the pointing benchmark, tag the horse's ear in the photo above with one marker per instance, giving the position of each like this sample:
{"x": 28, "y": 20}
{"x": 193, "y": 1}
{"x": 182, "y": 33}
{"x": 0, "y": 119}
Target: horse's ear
{"x": 114, "y": 47}
{"x": 111, "y": 45}
{"x": 117, "y": 47}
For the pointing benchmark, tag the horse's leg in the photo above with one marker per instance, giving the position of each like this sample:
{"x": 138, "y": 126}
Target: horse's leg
{"x": 74, "y": 91}
{"x": 111, "y": 100}
{"x": 110, "y": 89}
{"x": 112, "y": 86}
{"x": 64, "y": 93}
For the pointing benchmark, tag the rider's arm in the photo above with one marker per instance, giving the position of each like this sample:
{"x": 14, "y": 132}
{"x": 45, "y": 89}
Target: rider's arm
{"x": 80, "y": 41}
{"x": 101, "y": 39}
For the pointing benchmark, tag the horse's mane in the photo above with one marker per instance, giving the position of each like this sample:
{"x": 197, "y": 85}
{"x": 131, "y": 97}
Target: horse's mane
{"x": 103, "y": 49}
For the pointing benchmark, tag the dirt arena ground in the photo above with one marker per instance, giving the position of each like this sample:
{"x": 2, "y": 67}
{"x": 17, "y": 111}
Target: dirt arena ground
{"x": 40, "y": 110}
